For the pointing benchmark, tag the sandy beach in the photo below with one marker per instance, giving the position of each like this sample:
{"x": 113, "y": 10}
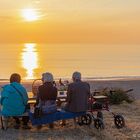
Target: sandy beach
{"x": 131, "y": 131}
{"x": 123, "y": 84}
{"x": 131, "y": 112}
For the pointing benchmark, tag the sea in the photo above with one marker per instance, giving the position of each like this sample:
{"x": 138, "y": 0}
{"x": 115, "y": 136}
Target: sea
{"x": 94, "y": 61}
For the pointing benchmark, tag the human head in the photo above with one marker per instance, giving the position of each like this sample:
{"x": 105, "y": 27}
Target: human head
{"x": 76, "y": 76}
{"x": 47, "y": 77}
{"x": 15, "y": 77}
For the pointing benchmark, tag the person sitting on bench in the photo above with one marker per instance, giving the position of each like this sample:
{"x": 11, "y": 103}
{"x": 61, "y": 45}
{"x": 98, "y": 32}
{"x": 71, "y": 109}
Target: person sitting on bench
{"x": 14, "y": 100}
{"x": 77, "y": 95}
{"x": 47, "y": 94}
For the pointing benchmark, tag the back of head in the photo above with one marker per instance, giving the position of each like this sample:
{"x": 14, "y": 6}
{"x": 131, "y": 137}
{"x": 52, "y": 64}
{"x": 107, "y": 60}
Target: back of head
{"x": 47, "y": 77}
{"x": 15, "y": 77}
{"x": 76, "y": 76}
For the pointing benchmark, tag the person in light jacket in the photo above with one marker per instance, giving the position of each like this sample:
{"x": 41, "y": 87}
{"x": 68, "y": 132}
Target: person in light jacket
{"x": 14, "y": 99}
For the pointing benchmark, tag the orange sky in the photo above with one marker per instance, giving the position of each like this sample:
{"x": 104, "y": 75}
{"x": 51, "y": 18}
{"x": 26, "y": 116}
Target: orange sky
{"x": 71, "y": 21}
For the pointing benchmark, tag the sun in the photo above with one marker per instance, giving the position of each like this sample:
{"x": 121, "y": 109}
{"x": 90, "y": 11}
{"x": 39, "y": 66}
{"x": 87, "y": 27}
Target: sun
{"x": 30, "y": 14}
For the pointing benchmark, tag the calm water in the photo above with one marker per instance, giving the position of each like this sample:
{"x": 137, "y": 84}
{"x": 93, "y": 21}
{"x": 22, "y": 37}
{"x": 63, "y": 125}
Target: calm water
{"x": 31, "y": 60}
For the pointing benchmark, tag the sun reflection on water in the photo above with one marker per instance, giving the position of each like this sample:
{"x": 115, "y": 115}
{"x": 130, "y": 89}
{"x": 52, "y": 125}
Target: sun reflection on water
{"x": 30, "y": 59}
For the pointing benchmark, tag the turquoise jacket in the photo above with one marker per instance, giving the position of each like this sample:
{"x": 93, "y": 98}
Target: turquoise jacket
{"x": 12, "y": 102}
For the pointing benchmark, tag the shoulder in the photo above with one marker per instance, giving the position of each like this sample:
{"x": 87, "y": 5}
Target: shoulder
{"x": 19, "y": 86}
{"x": 7, "y": 88}
{"x": 55, "y": 88}
{"x": 71, "y": 85}
{"x": 86, "y": 84}
{"x": 40, "y": 87}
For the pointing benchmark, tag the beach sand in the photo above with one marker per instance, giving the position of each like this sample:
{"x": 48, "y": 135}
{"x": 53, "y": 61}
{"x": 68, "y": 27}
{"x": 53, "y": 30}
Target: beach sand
{"x": 131, "y": 112}
{"x": 123, "y": 84}
{"x": 131, "y": 131}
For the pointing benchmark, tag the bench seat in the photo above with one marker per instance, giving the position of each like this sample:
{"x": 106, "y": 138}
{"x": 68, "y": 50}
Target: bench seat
{"x": 50, "y": 118}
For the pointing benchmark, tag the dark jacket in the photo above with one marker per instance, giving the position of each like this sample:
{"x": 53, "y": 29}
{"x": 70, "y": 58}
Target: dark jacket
{"x": 47, "y": 91}
{"x": 77, "y": 96}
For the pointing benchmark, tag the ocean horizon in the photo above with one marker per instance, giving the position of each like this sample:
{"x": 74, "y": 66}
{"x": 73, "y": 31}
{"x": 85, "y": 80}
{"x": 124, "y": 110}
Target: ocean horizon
{"x": 115, "y": 78}
{"x": 94, "y": 61}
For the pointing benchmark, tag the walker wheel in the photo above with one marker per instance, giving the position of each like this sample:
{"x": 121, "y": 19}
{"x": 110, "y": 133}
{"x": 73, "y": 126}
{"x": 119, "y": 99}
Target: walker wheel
{"x": 100, "y": 115}
{"x": 98, "y": 123}
{"x": 86, "y": 119}
{"x": 119, "y": 121}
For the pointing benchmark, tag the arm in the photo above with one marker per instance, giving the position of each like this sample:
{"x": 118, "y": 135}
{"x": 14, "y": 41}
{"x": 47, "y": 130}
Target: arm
{"x": 89, "y": 91}
{"x": 69, "y": 94}
{"x": 55, "y": 93}
{"x": 4, "y": 95}
{"x": 26, "y": 97}
{"x": 38, "y": 96}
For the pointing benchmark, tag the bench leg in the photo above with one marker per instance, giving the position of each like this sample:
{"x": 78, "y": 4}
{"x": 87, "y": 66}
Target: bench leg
{"x": 4, "y": 122}
{"x": 75, "y": 122}
{"x": 2, "y": 127}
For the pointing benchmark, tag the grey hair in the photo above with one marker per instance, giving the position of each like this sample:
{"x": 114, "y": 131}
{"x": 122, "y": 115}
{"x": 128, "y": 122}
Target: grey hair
{"x": 47, "y": 77}
{"x": 76, "y": 75}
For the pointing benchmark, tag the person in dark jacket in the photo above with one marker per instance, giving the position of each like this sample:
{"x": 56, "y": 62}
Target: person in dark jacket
{"x": 78, "y": 94}
{"x": 47, "y": 94}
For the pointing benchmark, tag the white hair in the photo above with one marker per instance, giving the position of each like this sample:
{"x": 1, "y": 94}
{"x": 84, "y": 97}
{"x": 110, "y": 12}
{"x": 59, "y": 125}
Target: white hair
{"x": 76, "y": 75}
{"x": 47, "y": 77}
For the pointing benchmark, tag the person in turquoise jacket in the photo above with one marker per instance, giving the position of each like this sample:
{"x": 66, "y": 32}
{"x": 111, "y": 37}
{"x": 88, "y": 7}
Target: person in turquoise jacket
{"x": 14, "y": 100}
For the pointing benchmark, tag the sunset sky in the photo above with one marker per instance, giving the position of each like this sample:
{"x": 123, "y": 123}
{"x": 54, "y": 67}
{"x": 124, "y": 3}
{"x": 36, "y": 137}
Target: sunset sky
{"x": 71, "y": 21}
